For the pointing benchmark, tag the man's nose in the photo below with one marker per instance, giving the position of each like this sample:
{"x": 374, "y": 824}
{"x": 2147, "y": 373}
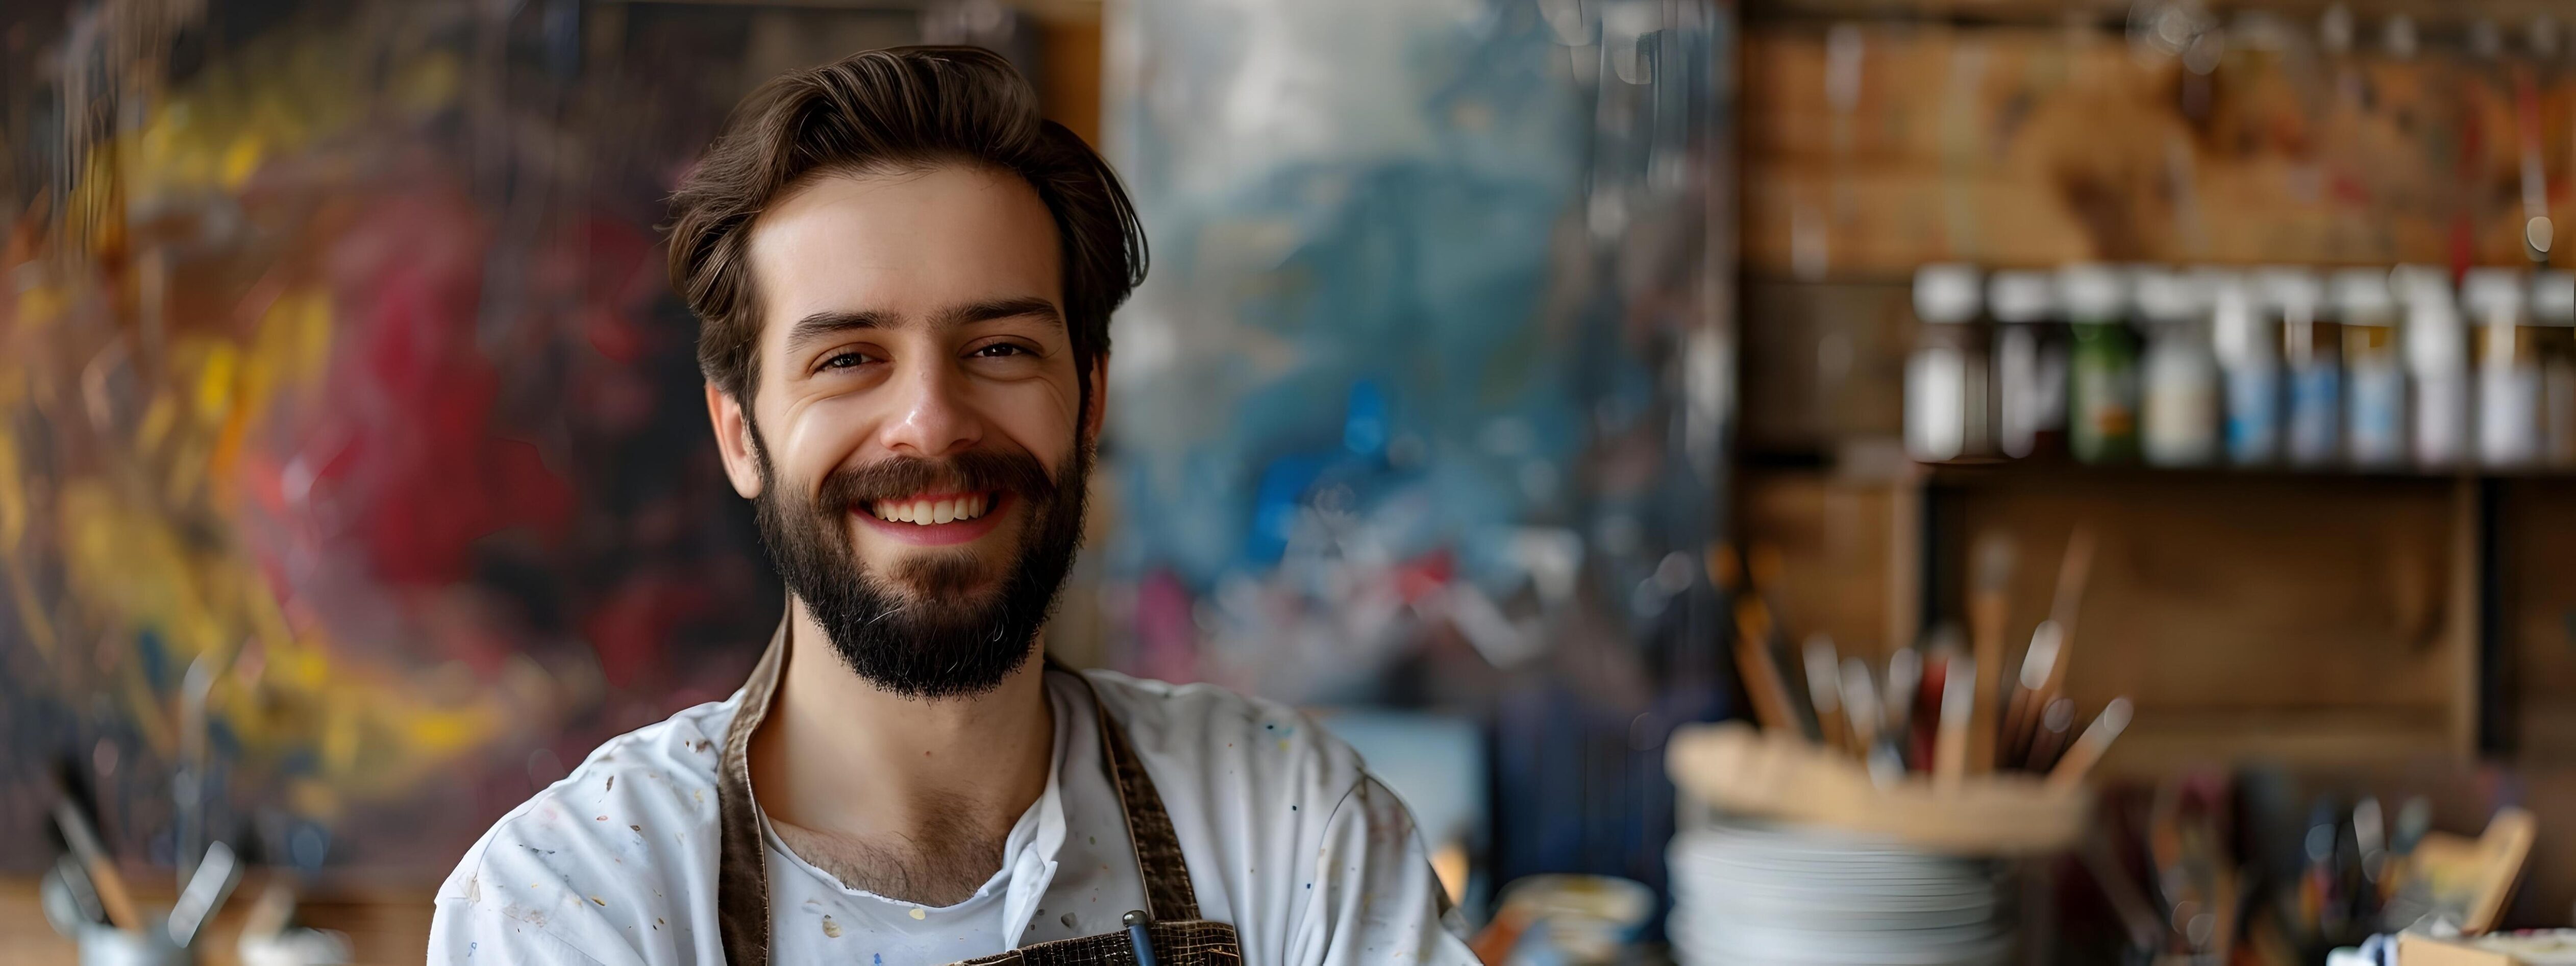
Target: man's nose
{"x": 934, "y": 417}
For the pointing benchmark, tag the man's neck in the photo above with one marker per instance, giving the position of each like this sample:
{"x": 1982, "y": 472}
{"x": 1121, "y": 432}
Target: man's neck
{"x": 909, "y": 798}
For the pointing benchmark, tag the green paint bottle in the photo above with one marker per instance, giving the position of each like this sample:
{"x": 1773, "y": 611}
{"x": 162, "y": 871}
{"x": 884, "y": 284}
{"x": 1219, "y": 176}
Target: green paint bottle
{"x": 2102, "y": 415}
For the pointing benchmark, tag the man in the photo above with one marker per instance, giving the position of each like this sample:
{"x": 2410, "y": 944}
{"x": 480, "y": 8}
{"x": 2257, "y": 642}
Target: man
{"x": 905, "y": 276}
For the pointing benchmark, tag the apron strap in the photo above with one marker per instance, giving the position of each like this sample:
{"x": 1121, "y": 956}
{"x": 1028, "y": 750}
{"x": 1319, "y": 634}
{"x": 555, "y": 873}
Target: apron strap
{"x": 742, "y": 861}
{"x": 1159, "y": 864}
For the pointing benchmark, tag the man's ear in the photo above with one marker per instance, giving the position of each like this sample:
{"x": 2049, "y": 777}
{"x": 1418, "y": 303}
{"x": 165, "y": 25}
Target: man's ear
{"x": 1096, "y": 414}
{"x": 733, "y": 441}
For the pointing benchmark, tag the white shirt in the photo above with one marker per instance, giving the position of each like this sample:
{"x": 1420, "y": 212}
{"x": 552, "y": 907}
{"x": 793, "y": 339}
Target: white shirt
{"x": 1287, "y": 837}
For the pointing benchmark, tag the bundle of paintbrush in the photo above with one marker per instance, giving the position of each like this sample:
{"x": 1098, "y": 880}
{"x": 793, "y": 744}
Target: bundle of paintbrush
{"x": 1944, "y": 708}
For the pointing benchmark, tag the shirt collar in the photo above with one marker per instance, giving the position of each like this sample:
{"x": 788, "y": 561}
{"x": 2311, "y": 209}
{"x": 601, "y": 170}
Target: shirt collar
{"x": 1029, "y": 855}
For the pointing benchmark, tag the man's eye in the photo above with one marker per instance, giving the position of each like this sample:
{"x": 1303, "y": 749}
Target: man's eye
{"x": 1000, "y": 349}
{"x": 844, "y": 360}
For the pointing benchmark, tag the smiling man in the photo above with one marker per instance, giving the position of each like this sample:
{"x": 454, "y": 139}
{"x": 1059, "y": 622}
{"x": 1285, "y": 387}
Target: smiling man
{"x": 905, "y": 277}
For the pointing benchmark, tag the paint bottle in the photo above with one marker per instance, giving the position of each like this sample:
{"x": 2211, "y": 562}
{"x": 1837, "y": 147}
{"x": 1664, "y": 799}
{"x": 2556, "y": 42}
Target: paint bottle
{"x": 2508, "y": 366}
{"x": 1946, "y": 412}
{"x": 2248, "y": 347}
{"x": 2374, "y": 369}
{"x": 2437, "y": 360}
{"x": 2179, "y": 374}
{"x": 2029, "y": 365}
{"x": 2553, "y": 310}
{"x": 2102, "y": 414}
{"x": 2312, "y": 355}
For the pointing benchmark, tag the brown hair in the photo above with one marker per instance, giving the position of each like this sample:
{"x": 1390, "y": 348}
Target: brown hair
{"x": 894, "y": 109}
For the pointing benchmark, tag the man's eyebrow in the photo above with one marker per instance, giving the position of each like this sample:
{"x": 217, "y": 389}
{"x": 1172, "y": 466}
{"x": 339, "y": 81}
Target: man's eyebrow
{"x": 824, "y": 325}
{"x": 1012, "y": 308}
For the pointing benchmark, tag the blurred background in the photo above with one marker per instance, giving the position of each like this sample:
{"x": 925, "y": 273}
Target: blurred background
{"x": 1768, "y": 481}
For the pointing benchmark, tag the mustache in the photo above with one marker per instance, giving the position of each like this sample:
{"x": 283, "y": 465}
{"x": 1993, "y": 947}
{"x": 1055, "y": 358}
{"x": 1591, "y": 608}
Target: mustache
{"x": 974, "y": 471}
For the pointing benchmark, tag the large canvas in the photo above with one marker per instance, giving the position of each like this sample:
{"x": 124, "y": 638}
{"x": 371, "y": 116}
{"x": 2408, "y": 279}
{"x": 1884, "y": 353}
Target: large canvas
{"x": 1424, "y": 402}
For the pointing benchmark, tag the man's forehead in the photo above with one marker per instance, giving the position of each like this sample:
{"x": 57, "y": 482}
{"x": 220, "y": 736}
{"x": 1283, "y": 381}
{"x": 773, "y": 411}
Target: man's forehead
{"x": 912, "y": 247}
{"x": 894, "y": 205}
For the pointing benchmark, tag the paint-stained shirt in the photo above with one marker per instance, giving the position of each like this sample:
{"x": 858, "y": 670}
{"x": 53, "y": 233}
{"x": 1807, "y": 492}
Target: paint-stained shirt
{"x": 1286, "y": 834}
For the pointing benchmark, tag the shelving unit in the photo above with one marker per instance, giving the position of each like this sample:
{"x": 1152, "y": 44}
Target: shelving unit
{"x": 2329, "y": 622}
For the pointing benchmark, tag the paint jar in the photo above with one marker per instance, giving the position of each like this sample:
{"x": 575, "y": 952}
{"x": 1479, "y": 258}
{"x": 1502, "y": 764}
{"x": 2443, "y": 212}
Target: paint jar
{"x": 1946, "y": 412}
{"x": 2312, "y": 357}
{"x": 2437, "y": 360}
{"x": 2102, "y": 415}
{"x": 2553, "y": 310}
{"x": 2248, "y": 347}
{"x": 2374, "y": 369}
{"x": 2029, "y": 364}
{"x": 2179, "y": 374}
{"x": 2508, "y": 366}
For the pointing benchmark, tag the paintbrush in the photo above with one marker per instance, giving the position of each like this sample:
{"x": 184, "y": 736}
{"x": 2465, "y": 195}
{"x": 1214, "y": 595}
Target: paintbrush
{"x": 1958, "y": 708}
{"x": 1904, "y": 674}
{"x": 94, "y": 859}
{"x": 1775, "y": 704}
{"x": 2021, "y": 713}
{"x": 1824, "y": 691}
{"x": 1762, "y": 681}
{"x": 75, "y": 879}
{"x": 2087, "y": 750}
{"x": 205, "y": 893}
{"x": 1763, "y": 568}
{"x": 2073, "y": 572}
{"x": 1871, "y": 730}
{"x": 272, "y": 911}
{"x": 1987, "y": 609}
{"x": 1946, "y": 649}
{"x": 1861, "y": 702}
{"x": 2050, "y": 737}
{"x": 1763, "y": 564}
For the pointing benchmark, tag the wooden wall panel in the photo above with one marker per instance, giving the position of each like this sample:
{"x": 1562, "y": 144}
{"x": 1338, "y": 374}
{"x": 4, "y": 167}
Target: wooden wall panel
{"x": 2036, "y": 146}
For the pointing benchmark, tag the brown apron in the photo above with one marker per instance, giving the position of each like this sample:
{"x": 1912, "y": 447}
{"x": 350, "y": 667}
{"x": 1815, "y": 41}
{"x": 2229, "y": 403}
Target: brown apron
{"x": 1171, "y": 914}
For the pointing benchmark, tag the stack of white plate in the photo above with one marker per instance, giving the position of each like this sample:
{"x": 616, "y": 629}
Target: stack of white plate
{"x": 1750, "y": 895}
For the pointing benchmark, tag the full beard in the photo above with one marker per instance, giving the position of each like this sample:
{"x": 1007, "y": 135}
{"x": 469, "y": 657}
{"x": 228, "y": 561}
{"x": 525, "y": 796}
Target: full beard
{"x": 924, "y": 630}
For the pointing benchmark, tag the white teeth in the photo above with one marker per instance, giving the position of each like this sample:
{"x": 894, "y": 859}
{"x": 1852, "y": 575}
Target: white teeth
{"x": 928, "y": 512}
